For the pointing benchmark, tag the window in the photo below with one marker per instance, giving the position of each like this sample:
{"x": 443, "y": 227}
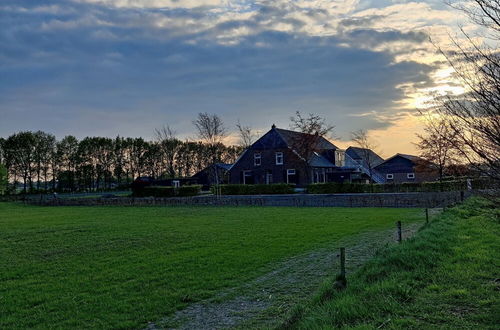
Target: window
{"x": 176, "y": 183}
{"x": 291, "y": 176}
{"x": 389, "y": 176}
{"x": 279, "y": 158}
{"x": 339, "y": 158}
{"x": 410, "y": 175}
{"x": 256, "y": 159}
{"x": 269, "y": 177}
{"x": 319, "y": 175}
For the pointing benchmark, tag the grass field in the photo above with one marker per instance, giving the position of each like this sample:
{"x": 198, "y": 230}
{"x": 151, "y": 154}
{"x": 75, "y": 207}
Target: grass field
{"x": 446, "y": 277}
{"x": 120, "y": 267}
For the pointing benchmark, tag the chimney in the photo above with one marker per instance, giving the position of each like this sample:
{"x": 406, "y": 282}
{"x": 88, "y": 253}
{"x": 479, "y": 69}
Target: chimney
{"x": 273, "y": 127}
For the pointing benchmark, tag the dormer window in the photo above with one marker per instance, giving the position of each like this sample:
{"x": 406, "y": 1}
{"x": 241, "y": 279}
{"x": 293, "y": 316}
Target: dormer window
{"x": 339, "y": 158}
{"x": 279, "y": 158}
{"x": 256, "y": 159}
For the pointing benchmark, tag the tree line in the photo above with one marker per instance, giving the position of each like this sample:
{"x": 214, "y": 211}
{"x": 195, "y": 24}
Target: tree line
{"x": 40, "y": 162}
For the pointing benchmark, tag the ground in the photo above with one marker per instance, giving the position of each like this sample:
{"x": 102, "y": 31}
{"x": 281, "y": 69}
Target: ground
{"x": 134, "y": 267}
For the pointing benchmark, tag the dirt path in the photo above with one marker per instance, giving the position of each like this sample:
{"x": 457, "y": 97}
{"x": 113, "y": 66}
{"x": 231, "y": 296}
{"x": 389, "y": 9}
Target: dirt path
{"x": 266, "y": 300}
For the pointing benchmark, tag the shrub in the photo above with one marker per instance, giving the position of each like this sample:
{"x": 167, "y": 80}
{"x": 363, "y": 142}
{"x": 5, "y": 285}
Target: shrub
{"x": 337, "y": 188}
{"x": 193, "y": 190}
{"x": 256, "y": 189}
{"x": 332, "y": 187}
{"x": 165, "y": 191}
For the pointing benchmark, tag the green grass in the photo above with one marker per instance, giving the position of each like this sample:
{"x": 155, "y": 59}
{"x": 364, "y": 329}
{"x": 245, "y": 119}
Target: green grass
{"x": 448, "y": 276}
{"x": 120, "y": 267}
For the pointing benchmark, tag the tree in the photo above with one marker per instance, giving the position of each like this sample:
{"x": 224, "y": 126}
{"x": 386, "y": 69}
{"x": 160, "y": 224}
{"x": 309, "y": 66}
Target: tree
{"x": 211, "y": 130}
{"x": 245, "y": 134}
{"x": 2, "y": 150}
{"x": 67, "y": 156}
{"x": 119, "y": 158}
{"x": 436, "y": 146}
{"x": 474, "y": 117}
{"x": 315, "y": 129}
{"x": 19, "y": 154}
{"x": 368, "y": 147}
{"x": 3, "y": 179}
{"x": 169, "y": 147}
{"x": 43, "y": 152}
{"x": 138, "y": 148}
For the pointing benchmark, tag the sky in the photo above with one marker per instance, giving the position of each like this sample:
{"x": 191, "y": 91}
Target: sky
{"x": 126, "y": 67}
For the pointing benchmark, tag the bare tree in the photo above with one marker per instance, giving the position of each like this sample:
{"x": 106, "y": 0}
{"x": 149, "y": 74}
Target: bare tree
{"x": 474, "y": 117}
{"x": 246, "y": 135}
{"x": 212, "y": 131}
{"x": 315, "y": 128}
{"x": 169, "y": 147}
{"x": 439, "y": 145}
{"x": 210, "y": 128}
{"x": 368, "y": 147}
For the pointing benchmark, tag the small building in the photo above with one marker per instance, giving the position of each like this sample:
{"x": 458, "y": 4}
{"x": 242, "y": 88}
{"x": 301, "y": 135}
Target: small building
{"x": 211, "y": 174}
{"x": 402, "y": 168}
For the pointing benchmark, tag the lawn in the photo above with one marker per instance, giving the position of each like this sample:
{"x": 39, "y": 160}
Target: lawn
{"x": 120, "y": 267}
{"x": 447, "y": 277}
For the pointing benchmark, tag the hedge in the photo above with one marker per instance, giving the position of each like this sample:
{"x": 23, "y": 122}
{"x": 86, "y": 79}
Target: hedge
{"x": 333, "y": 188}
{"x": 164, "y": 191}
{"x": 256, "y": 189}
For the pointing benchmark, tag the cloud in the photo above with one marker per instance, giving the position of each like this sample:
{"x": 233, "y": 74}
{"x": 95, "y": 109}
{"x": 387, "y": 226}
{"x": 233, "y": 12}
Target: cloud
{"x": 112, "y": 67}
{"x": 157, "y": 3}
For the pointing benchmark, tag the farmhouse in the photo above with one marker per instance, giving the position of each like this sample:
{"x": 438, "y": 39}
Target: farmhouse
{"x": 279, "y": 156}
{"x": 406, "y": 168}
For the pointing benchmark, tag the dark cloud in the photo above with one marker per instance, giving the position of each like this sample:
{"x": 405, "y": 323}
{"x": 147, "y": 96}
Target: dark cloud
{"x": 87, "y": 69}
{"x": 360, "y": 21}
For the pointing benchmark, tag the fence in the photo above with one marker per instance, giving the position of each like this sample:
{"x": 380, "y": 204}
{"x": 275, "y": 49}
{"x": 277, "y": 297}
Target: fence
{"x": 422, "y": 199}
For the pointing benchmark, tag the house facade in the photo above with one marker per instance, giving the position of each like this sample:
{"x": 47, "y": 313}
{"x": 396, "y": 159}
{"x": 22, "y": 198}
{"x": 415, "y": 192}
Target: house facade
{"x": 402, "y": 168}
{"x": 275, "y": 158}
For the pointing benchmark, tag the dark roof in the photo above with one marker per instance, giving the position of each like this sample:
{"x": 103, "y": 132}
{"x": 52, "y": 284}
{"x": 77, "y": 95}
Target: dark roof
{"x": 361, "y": 154}
{"x": 318, "y": 160}
{"x": 411, "y": 158}
{"x": 224, "y": 166}
{"x": 278, "y": 138}
{"x": 290, "y": 136}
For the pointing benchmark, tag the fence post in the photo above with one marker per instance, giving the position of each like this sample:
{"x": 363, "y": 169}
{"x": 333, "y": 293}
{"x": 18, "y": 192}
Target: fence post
{"x": 427, "y": 215}
{"x": 400, "y": 236}
{"x": 341, "y": 281}
{"x": 462, "y": 195}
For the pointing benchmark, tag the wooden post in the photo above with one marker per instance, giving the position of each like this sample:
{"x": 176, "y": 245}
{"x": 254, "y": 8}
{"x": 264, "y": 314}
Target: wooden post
{"x": 342, "y": 262}
{"x": 427, "y": 215}
{"x": 400, "y": 236}
{"x": 341, "y": 281}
